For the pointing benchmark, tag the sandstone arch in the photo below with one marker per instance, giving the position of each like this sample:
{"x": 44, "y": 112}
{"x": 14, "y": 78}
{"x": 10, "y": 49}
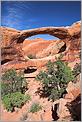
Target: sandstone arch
{"x": 10, "y": 35}
{"x": 71, "y": 35}
{"x": 59, "y": 32}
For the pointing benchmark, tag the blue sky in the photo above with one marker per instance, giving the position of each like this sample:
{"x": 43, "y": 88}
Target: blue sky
{"x": 24, "y": 15}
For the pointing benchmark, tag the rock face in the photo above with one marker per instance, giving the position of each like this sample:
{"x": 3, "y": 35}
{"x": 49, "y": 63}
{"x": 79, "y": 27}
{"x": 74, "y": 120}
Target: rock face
{"x": 7, "y": 34}
{"x": 75, "y": 108}
{"x": 9, "y": 51}
{"x": 69, "y": 107}
{"x": 35, "y": 46}
{"x": 38, "y": 63}
{"x": 14, "y": 50}
{"x": 52, "y": 49}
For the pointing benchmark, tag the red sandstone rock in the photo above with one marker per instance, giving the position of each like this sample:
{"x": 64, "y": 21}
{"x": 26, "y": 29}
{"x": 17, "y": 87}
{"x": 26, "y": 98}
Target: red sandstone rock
{"x": 47, "y": 115}
{"x": 52, "y": 49}
{"x": 73, "y": 91}
{"x": 70, "y": 35}
{"x": 7, "y": 34}
{"x": 33, "y": 47}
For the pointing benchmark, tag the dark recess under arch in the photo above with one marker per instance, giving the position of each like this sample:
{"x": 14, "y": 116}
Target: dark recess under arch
{"x": 29, "y": 70}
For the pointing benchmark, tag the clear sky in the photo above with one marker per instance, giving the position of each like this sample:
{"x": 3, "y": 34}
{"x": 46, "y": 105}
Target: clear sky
{"x": 24, "y": 15}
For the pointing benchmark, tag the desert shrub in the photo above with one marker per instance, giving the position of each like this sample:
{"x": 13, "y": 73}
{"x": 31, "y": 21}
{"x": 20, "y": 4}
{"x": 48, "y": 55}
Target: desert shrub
{"x": 13, "y": 87}
{"x": 41, "y": 75}
{"x": 31, "y": 56}
{"x": 55, "y": 79}
{"x": 16, "y": 99}
{"x": 77, "y": 69}
{"x": 56, "y": 94}
{"x": 35, "y": 107}
{"x": 63, "y": 73}
{"x": 5, "y": 88}
{"x": 12, "y": 82}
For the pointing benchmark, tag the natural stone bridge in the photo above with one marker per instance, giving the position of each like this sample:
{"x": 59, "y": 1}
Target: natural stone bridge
{"x": 11, "y": 47}
{"x": 10, "y": 36}
{"x": 59, "y": 32}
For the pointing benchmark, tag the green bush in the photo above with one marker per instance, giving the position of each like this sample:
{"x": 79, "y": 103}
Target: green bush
{"x": 32, "y": 56}
{"x": 64, "y": 73}
{"x": 5, "y": 88}
{"x": 16, "y": 99}
{"x": 55, "y": 79}
{"x": 12, "y": 82}
{"x": 56, "y": 94}
{"x": 41, "y": 75}
{"x": 35, "y": 107}
{"x": 13, "y": 87}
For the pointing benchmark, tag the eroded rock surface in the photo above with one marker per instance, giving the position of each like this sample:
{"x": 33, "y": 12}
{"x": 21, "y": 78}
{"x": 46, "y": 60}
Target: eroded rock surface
{"x": 15, "y": 51}
{"x": 70, "y": 105}
{"x": 14, "y": 55}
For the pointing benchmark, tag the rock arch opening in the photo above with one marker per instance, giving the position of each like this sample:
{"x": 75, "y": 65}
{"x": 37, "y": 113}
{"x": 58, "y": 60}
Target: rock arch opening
{"x": 38, "y": 37}
{"x": 43, "y": 36}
